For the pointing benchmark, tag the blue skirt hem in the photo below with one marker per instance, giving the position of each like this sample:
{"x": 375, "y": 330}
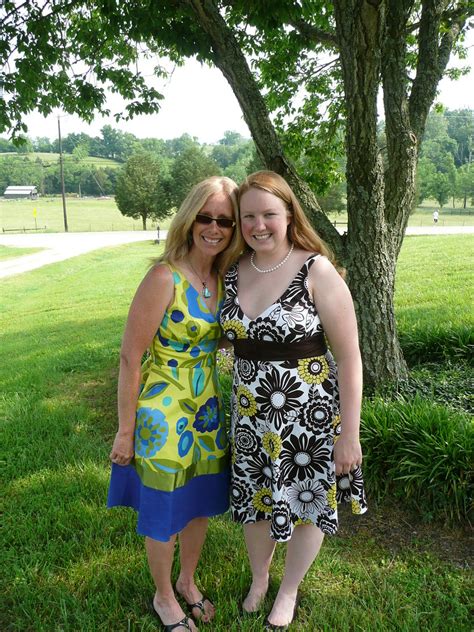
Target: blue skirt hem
{"x": 163, "y": 514}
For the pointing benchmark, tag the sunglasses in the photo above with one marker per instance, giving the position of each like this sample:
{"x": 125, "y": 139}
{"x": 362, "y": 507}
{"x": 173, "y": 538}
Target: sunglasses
{"x": 222, "y": 222}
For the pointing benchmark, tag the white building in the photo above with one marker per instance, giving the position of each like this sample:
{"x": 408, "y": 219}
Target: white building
{"x": 30, "y": 192}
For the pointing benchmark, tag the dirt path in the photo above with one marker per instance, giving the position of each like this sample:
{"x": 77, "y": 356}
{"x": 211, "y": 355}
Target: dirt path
{"x": 60, "y": 246}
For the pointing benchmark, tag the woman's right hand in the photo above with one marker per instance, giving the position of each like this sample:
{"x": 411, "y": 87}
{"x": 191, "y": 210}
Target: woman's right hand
{"x": 122, "y": 450}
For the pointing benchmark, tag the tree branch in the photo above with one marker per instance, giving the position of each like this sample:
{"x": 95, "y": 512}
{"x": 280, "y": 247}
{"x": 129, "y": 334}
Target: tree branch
{"x": 229, "y": 58}
{"x": 433, "y": 57}
{"x": 315, "y": 35}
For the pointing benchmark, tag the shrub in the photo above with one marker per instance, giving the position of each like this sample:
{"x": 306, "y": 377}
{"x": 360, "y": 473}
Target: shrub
{"x": 418, "y": 452}
{"x": 436, "y": 343}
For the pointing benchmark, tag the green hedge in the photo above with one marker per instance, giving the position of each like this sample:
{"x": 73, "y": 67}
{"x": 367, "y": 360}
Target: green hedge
{"x": 420, "y": 453}
{"x": 437, "y": 343}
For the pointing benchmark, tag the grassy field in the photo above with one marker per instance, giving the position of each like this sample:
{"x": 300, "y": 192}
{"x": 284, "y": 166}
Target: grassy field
{"x": 84, "y": 215}
{"x": 444, "y": 299}
{"x": 69, "y": 564}
{"x": 7, "y": 252}
{"x": 52, "y": 158}
{"x": 98, "y": 214}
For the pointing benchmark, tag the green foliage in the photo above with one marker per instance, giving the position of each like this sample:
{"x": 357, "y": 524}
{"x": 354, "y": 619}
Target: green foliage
{"x": 141, "y": 188}
{"x": 465, "y": 183}
{"x": 461, "y": 129}
{"x": 79, "y": 175}
{"x": 190, "y": 167}
{"x": 334, "y": 199}
{"x": 440, "y": 342}
{"x": 442, "y": 146}
{"x": 446, "y": 384}
{"x": 65, "y": 55}
{"x": 420, "y": 453}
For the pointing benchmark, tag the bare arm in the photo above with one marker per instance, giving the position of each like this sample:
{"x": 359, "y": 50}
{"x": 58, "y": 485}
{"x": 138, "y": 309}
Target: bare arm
{"x": 144, "y": 318}
{"x": 336, "y": 310}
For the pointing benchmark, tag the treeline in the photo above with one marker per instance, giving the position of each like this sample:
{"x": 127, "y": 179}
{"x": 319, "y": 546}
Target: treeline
{"x": 445, "y": 169}
{"x": 232, "y": 156}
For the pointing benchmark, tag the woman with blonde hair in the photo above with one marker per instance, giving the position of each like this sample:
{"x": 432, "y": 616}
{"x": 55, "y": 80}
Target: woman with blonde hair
{"x": 170, "y": 454}
{"x": 284, "y": 301}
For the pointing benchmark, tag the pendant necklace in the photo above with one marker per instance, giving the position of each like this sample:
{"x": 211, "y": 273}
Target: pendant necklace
{"x": 206, "y": 292}
{"x": 278, "y": 265}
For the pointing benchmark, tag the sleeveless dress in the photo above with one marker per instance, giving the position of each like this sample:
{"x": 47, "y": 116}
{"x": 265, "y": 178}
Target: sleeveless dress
{"x": 181, "y": 466}
{"x": 285, "y": 419}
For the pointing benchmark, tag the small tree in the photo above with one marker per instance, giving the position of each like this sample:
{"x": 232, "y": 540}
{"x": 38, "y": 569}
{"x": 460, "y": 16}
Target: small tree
{"x": 465, "y": 182}
{"x": 190, "y": 167}
{"x": 140, "y": 190}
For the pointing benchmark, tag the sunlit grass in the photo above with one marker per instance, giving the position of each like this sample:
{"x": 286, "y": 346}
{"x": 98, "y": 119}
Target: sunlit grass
{"x": 7, "y": 252}
{"x": 84, "y": 215}
{"x": 70, "y": 564}
{"x": 433, "y": 297}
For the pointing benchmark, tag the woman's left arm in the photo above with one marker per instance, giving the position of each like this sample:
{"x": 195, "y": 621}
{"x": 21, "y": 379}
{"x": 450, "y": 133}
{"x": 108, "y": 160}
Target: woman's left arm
{"x": 336, "y": 311}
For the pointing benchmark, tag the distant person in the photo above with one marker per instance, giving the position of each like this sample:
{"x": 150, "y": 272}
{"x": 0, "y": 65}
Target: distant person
{"x": 157, "y": 240}
{"x": 170, "y": 456}
{"x": 435, "y": 216}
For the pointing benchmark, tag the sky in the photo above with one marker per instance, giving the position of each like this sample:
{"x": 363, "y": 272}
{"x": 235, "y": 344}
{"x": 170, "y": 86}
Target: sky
{"x": 199, "y": 101}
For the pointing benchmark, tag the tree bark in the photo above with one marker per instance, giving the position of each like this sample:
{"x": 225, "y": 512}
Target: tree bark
{"x": 371, "y": 260}
{"x": 144, "y": 222}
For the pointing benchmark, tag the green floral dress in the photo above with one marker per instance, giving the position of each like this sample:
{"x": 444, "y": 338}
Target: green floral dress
{"x": 181, "y": 465}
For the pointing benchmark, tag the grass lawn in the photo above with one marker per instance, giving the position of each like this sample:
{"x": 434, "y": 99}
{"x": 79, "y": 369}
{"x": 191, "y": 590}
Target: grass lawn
{"x": 435, "y": 274}
{"x": 8, "y": 252}
{"x": 70, "y": 564}
{"x": 86, "y": 214}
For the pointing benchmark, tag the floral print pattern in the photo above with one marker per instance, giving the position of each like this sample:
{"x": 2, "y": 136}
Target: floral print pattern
{"x": 285, "y": 420}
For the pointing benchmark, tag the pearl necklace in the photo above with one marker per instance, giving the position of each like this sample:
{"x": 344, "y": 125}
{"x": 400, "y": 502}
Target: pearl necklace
{"x": 278, "y": 265}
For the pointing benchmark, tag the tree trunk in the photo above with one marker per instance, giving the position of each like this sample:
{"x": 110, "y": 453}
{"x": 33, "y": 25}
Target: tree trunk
{"x": 144, "y": 221}
{"x": 371, "y": 256}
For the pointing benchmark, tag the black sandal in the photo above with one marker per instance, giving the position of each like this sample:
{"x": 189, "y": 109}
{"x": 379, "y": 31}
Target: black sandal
{"x": 199, "y": 605}
{"x": 184, "y": 623}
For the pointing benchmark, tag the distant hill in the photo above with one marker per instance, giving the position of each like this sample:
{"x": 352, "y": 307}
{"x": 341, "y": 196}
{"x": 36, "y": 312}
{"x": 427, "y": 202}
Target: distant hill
{"x": 51, "y": 158}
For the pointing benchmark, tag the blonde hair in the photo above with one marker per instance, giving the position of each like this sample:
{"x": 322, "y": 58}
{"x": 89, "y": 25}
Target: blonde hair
{"x": 300, "y": 232}
{"x": 179, "y": 240}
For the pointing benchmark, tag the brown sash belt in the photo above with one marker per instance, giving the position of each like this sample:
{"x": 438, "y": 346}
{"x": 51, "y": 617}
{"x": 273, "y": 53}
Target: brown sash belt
{"x": 277, "y": 351}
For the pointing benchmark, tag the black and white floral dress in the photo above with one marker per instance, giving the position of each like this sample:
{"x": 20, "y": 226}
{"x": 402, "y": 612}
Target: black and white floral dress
{"x": 285, "y": 419}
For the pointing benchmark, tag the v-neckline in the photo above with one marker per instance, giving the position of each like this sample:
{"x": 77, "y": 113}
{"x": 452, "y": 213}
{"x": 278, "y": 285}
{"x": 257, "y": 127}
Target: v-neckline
{"x": 277, "y": 300}
{"x": 215, "y": 313}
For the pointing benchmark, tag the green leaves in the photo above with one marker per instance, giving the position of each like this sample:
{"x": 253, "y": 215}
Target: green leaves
{"x": 63, "y": 54}
{"x": 140, "y": 187}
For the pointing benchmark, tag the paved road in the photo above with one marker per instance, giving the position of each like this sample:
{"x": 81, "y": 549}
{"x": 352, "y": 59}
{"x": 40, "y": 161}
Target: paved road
{"x": 60, "y": 246}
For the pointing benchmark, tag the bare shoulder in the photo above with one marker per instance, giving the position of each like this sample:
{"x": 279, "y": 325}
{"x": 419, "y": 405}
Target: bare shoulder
{"x": 159, "y": 275}
{"x": 322, "y": 269}
{"x": 324, "y": 278}
{"x": 157, "y": 283}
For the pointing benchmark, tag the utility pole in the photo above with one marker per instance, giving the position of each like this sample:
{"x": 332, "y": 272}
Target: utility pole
{"x": 61, "y": 169}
